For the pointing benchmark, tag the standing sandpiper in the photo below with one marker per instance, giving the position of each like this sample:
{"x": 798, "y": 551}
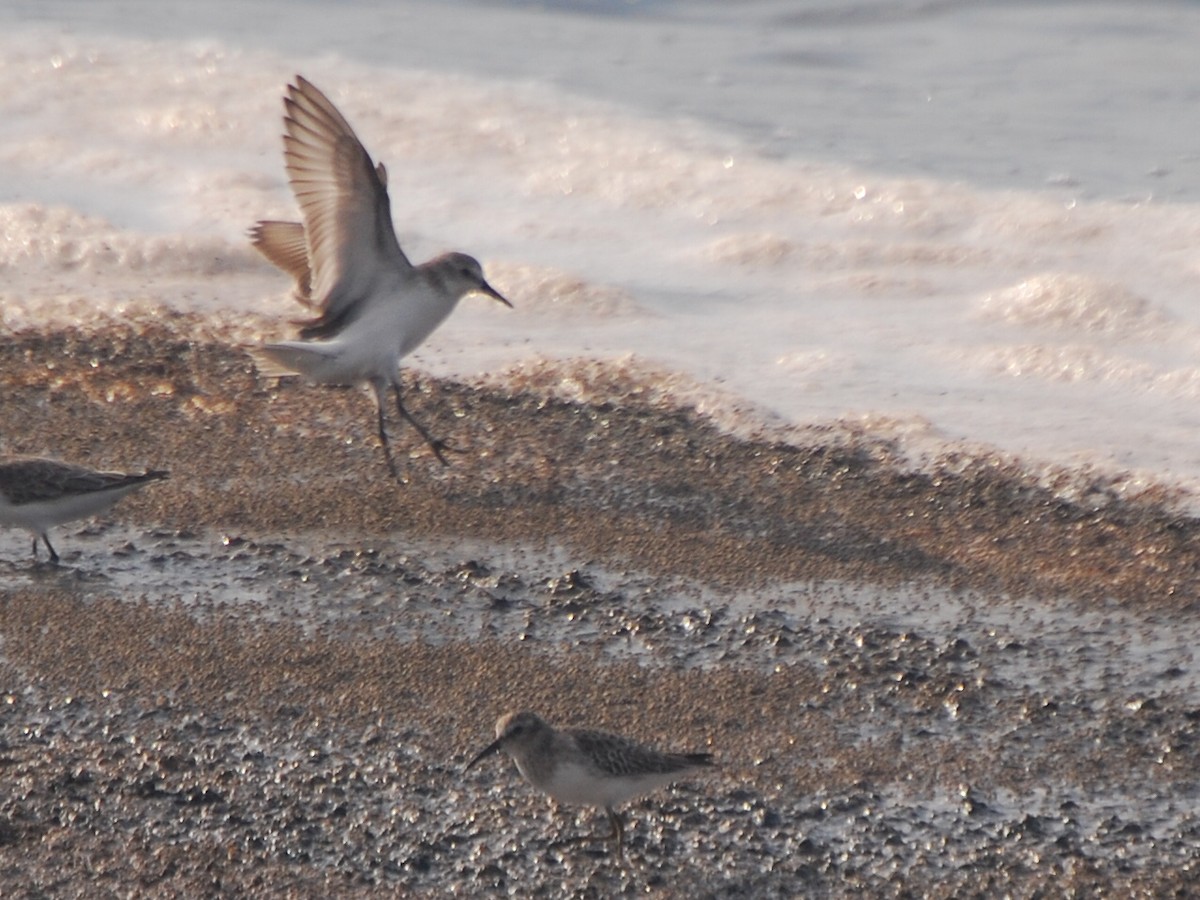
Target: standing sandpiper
{"x": 37, "y": 494}
{"x": 591, "y": 768}
{"x": 375, "y": 307}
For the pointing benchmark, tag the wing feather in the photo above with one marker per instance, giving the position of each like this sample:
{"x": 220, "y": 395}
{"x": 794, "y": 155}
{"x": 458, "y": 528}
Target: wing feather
{"x": 286, "y": 246}
{"x": 343, "y": 200}
{"x": 32, "y": 480}
{"x": 615, "y": 755}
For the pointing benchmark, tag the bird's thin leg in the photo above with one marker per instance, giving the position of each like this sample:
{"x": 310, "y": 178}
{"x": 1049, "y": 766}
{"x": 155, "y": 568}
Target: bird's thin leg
{"x": 618, "y": 831}
{"x": 435, "y": 445}
{"x": 35, "y": 540}
{"x": 617, "y": 834}
{"x": 380, "y": 391}
{"x": 53, "y": 553}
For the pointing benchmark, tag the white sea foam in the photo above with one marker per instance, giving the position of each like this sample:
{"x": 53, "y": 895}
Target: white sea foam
{"x": 736, "y": 246}
{"x": 1079, "y": 304}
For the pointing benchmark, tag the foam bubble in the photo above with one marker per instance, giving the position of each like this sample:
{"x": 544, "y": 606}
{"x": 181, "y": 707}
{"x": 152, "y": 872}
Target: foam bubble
{"x": 36, "y": 239}
{"x": 1067, "y": 363}
{"x": 1076, "y": 304}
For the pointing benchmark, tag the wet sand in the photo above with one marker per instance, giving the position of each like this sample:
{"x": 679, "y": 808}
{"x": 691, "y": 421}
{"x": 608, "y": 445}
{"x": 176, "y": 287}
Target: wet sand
{"x": 263, "y": 677}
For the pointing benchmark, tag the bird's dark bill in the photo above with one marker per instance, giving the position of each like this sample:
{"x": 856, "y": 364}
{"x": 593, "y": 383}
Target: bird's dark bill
{"x": 485, "y": 752}
{"x": 486, "y": 288}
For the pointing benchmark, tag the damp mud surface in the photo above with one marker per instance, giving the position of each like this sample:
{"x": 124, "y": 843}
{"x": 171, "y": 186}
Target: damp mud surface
{"x": 264, "y": 677}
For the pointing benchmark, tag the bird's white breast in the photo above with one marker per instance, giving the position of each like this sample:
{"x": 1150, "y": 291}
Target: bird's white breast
{"x": 45, "y": 514}
{"x": 394, "y": 321}
{"x": 576, "y": 783}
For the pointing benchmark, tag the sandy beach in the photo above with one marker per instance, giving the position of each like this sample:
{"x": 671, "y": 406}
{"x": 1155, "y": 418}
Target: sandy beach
{"x": 264, "y": 676}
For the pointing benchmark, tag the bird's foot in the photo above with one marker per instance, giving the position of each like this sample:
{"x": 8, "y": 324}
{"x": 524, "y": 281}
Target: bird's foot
{"x": 441, "y": 448}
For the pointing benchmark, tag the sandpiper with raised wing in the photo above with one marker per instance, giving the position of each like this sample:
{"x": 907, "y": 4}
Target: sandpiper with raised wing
{"x": 374, "y": 306}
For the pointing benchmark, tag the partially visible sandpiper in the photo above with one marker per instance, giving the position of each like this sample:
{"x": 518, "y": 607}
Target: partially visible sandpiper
{"x": 37, "y": 494}
{"x": 591, "y": 768}
{"x": 375, "y": 307}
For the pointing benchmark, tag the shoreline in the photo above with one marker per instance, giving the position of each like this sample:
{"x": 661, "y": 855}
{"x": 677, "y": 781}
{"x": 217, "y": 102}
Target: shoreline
{"x": 660, "y": 489}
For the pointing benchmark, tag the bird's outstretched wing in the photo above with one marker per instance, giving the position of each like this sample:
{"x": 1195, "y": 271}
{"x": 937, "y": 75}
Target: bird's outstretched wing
{"x": 343, "y": 199}
{"x": 285, "y": 245}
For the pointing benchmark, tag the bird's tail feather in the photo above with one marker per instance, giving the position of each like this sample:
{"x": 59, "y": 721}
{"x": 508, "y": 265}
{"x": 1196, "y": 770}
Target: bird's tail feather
{"x": 277, "y": 360}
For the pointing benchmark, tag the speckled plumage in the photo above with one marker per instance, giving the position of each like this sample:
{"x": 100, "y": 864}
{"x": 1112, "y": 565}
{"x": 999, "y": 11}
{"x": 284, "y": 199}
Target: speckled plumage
{"x": 616, "y": 755}
{"x": 592, "y": 768}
